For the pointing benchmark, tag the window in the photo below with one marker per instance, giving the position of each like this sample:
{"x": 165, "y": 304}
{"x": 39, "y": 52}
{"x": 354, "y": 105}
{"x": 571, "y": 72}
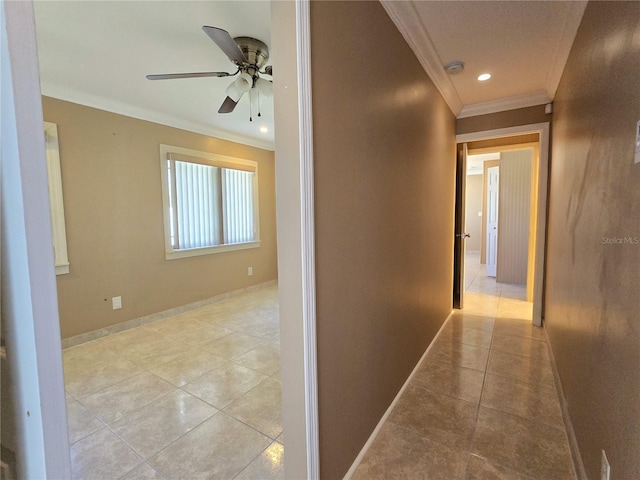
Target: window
{"x": 210, "y": 202}
{"x": 56, "y": 204}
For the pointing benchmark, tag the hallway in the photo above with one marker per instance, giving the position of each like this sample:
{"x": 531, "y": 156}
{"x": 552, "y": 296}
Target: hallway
{"x": 482, "y": 404}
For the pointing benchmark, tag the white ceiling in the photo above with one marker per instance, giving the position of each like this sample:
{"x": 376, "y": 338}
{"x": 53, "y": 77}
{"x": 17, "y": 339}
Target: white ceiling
{"x": 523, "y": 44}
{"x": 97, "y": 53}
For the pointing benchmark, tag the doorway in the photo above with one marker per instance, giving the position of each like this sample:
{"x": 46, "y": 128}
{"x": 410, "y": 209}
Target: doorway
{"x": 498, "y": 140}
{"x": 43, "y": 365}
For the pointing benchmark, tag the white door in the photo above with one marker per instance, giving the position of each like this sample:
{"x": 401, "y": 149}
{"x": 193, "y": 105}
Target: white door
{"x": 493, "y": 181}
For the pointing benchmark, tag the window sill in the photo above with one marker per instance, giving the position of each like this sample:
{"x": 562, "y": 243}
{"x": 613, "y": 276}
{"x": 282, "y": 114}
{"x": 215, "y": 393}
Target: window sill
{"x": 62, "y": 269}
{"x": 194, "y": 252}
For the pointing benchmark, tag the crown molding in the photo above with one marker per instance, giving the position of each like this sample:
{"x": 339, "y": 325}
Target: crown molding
{"x": 408, "y": 21}
{"x": 509, "y": 103}
{"x": 122, "y": 108}
{"x": 573, "y": 18}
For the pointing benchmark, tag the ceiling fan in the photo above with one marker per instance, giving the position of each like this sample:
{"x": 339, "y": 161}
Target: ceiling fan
{"x": 248, "y": 54}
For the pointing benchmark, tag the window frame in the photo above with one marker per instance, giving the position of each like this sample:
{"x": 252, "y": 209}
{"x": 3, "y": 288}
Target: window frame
{"x": 205, "y": 158}
{"x": 56, "y": 201}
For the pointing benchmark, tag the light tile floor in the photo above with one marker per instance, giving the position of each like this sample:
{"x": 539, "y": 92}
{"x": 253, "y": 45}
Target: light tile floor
{"x": 193, "y": 396}
{"x": 483, "y": 403}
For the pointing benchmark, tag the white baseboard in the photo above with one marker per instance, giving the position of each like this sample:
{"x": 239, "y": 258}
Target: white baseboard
{"x": 374, "y": 434}
{"x": 137, "y": 322}
{"x": 576, "y": 456}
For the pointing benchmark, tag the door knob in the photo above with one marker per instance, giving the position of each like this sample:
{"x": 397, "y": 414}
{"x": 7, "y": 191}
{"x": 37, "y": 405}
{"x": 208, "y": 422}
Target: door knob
{"x": 463, "y": 235}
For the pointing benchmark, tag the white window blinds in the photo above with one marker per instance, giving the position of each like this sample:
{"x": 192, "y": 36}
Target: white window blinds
{"x": 239, "y": 222}
{"x": 197, "y": 205}
{"x": 210, "y": 203}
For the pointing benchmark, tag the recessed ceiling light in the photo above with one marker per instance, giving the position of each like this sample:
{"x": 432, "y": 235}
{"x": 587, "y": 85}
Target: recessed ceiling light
{"x": 484, "y": 77}
{"x": 264, "y": 129}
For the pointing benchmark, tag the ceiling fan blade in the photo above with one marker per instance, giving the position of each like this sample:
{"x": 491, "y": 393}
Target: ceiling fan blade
{"x": 170, "y": 76}
{"x": 228, "y": 105}
{"x": 226, "y": 43}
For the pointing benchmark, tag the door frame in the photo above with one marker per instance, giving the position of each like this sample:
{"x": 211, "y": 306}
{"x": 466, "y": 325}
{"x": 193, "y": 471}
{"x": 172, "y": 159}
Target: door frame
{"x": 543, "y": 130}
{"x": 460, "y": 235}
{"x": 29, "y": 294}
{"x": 294, "y": 176}
{"x": 291, "y": 36}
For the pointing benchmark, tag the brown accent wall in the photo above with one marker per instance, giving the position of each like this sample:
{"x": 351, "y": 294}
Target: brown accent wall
{"x": 384, "y": 154}
{"x": 113, "y": 210}
{"x": 592, "y": 286}
{"x": 508, "y": 118}
{"x": 496, "y": 144}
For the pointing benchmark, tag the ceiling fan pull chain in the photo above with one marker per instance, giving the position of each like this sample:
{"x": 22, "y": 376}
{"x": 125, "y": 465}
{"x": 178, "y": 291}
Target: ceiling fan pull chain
{"x": 259, "y": 106}
{"x": 250, "y": 107}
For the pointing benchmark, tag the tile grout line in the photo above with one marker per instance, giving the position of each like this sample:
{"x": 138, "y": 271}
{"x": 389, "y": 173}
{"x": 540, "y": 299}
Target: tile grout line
{"x": 491, "y": 349}
{"x": 146, "y": 370}
{"x": 484, "y": 380}
{"x": 387, "y": 414}
{"x": 273, "y": 439}
{"x": 143, "y": 369}
{"x": 475, "y": 426}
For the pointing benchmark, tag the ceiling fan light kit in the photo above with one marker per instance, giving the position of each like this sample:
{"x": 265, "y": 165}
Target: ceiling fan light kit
{"x": 265, "y": 87}
{"x": 233, "y": 92}
{"x": 249, "y": 55}
{"x": 244, "y": 82}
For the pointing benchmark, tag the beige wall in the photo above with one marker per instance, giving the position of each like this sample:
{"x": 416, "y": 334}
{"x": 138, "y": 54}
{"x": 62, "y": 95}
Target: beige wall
{"x": 113, "y": 211}
{"x": 384, "y": 154}
{"x": 473, "y": 206}
{"x": 592, "y": 288}
{"x": 514, "y": 216}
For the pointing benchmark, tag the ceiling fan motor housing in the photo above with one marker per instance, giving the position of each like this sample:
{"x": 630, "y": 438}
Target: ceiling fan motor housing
{"x": 248, "y": 54}
{"x": 255, "y": 51}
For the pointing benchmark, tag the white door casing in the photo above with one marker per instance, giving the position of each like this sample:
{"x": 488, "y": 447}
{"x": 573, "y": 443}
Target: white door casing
{"x": 290, "y": 27}
{"x": 29, "y": 294}
{"x": 294, "y": 176}
{"x": 460, "y": 234}
{"x": 543, "y": 130}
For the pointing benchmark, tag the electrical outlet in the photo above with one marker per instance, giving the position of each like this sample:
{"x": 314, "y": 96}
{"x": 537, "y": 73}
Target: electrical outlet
{"x": 116, "y": 302}
{"x": 605, "y": 468}
{"x": 250, "y": 271}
